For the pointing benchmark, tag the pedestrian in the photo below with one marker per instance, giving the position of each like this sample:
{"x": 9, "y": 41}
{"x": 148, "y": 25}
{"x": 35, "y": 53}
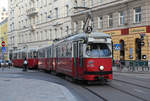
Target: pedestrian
{"x": 9, "y": 63}
{"x": 25, "y": 64}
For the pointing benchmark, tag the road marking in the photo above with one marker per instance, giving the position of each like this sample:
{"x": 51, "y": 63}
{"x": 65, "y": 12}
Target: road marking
{"x": 143, "y": 77}
{"x": 140, "y": 91}
{"x": 118, "y": 84}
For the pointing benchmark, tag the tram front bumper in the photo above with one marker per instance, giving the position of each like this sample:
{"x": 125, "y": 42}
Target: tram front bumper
{"x": 97, "y": 75}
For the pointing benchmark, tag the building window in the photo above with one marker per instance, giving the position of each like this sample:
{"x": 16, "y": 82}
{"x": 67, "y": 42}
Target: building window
{"x": 75, "y": 26}
{"x": 46, "y": 16}
{"x": 67, "y": 10}
{"x": 137, "y": 15}
{"x": 82, "y": 25}
{"x": 50, "y": 14}
{"x": 41, "y": 18}
{"x": 76, "y": 3}
{"x": 83, "y": 3}
{"x": 110, "y": 20}
{"x": 37, "y": 36}
{"x": 121, "y": 18}
{"x": 55, "y": 33}
{"x": 61, "y": 32}
{"x": 50, "y": 32}
{"x": 46, "y": 35}
{"x": 91, "y": 3}
{"x": 100, "y": 22}
{"x": 56, "y": 12}
{"x": 67, "y": 30}
{"x": 100, "y": 1}
{"x": 41, "y": 38}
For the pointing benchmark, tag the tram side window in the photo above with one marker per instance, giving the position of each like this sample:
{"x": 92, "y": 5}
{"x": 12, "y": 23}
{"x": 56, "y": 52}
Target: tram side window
{"x": 59, "y": 52}
{"x": 34, "y": 54}
{"x": 40, "y": 53}
{"x": 30, "y": 55}
{"x": 68, "y": 50}
{"x": 44, "y": 53}
{"x": 15, "y": 56}
{"x": 23, "y": 55}
{"x": 19, "y": 55}
{"x": 48, "y": 54}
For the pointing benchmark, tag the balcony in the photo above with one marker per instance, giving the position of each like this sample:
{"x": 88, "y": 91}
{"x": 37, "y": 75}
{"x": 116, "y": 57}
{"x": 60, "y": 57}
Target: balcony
{"x": 32, "y": 12}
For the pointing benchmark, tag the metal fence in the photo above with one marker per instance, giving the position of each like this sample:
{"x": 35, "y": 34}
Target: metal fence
{"x": 132, "y": 65}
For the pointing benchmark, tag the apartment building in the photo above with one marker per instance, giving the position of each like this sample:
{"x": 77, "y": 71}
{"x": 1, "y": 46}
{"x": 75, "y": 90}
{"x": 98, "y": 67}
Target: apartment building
{"x": 4, "y": 37}
{"x": 3, "y": 14}
{"x": 36, "y": 23}
{"x": 127, "y": 21}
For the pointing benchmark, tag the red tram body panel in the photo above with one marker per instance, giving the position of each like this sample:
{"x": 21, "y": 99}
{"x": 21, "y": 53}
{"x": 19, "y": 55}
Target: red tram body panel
{"x": 32, "y": 63}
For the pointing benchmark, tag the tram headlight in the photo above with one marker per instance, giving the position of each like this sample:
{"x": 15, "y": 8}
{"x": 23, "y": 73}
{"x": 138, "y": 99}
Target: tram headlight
{"x": 101, "y": 67}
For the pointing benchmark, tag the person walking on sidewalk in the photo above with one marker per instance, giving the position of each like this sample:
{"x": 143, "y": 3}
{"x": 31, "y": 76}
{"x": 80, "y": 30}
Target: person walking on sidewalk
{"x": 25, "y": 64}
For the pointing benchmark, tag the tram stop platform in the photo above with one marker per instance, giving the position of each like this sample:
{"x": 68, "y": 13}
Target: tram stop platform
{"x": 15, "y": 85}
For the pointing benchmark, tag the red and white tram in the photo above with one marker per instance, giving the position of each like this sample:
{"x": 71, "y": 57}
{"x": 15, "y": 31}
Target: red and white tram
{"x": 85, "y": 56}
{"x": 82, "y": 57}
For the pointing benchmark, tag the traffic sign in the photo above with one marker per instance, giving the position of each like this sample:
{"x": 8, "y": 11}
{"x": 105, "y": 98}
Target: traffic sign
{"x": 117, "y": 46}
{"x": 3, "y": 43}
{"x": 3, "y": 49}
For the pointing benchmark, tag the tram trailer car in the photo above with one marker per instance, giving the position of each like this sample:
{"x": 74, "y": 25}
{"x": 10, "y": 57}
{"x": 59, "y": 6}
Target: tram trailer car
{"x": 32, "y": 59}
{"x": 19, "y": 56}
{"x": 84, "y": 57}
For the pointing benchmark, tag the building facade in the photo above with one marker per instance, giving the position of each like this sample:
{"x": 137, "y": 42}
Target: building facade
{"x": 127, "y": 21}
{"x": 4, "y": 37}
{"x": 36, "y": 23}
{"x": 3, "y": 14}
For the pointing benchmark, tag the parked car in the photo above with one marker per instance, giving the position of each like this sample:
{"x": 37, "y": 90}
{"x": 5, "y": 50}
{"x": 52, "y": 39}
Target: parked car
{"x": 0, "y": 62}
{"x": 5, "y": 63}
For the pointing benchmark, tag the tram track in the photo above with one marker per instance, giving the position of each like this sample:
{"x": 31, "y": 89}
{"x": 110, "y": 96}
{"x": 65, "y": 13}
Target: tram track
{"x": 128, "y": 93}
{"x": 131, "y": 84}
{"x": 94, "y": 93}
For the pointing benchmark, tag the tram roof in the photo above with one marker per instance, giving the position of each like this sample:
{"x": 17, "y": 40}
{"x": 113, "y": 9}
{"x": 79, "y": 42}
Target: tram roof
{"x": 93, "y": 34}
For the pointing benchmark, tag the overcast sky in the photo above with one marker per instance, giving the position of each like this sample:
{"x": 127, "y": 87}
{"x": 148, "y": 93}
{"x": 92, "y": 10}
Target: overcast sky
{"x": 4, "y": 3}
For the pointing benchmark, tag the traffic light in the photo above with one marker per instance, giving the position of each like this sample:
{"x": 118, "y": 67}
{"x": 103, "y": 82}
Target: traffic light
{"x": 142, "y": 43}
{"x": 142, "y": 39}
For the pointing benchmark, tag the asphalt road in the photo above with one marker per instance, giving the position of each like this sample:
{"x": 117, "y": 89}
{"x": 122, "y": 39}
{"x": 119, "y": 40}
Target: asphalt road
{"x": 124, "y": 87}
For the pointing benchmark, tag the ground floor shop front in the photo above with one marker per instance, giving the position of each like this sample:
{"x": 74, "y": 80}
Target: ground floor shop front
{"x": 133, "y": 43}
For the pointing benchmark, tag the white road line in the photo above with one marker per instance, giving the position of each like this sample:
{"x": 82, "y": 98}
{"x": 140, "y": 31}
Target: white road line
{"x": 143, "y": 77}
{"x": 118, "y": 84}
{"x": 140, "y": 91}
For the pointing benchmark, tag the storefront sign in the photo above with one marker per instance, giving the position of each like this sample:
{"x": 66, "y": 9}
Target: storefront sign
{"x": 117, "y": 32}
{"x": 137, "y": 30}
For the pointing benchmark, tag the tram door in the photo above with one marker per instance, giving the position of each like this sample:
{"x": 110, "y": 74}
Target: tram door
{"x": 78, "y": 58}
{"x": 75, "y": 54}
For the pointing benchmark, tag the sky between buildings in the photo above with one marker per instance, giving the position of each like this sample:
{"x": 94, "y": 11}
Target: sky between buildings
{"x": 4, "y": 3}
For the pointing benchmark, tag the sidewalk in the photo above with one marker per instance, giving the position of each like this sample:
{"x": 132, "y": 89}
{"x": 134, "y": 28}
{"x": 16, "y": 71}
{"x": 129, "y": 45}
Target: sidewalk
{"x": 130, "y": 70}
{"x": 15, "y": 86}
